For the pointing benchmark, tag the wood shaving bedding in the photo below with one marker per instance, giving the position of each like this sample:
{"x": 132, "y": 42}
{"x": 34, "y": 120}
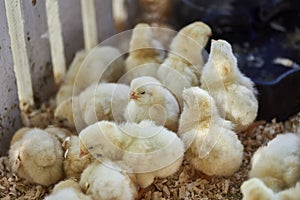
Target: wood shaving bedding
{"x": 186, "y": 184}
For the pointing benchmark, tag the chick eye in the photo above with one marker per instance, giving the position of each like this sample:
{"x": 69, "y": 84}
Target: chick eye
{"x": 143, "y": 92}
{"x": 90, "y": 148}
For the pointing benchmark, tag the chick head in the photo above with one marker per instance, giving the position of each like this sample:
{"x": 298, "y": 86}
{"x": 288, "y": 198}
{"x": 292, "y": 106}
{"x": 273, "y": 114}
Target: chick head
{"x": 223, "y": 58}
{"x": 101, "y": 139}
{"x": 255, "y": 189}
{"x": 200, "y": 101}
{"x": 192, "y": 37}
{"x": 69, "y": 183}
{"x": 141, "y": 37}
{"x": 145, "y": 90}
{"x": 41, "y": 146}
{"x": 199, "y": 31}
{"x": 64, "y": 113}
{"x": 197, "y": 98}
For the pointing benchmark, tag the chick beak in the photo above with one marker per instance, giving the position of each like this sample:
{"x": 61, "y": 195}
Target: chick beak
{"x": 82, "y": 153}
{"x": 133, "y": 96}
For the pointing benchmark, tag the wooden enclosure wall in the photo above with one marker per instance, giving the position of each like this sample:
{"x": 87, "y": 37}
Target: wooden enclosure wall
{"x": 38, "y": 50}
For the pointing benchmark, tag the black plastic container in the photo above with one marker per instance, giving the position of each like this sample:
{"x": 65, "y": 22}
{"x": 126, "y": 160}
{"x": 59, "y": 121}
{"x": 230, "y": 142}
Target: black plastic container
{"x": 260, "y": 32}
{"x": 279, "y": 99}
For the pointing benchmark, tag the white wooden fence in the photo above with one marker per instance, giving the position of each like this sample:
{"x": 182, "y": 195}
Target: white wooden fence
{"x": 28, "y": 72}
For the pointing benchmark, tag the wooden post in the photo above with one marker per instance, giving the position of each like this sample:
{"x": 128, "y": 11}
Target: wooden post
{"x": 56, "y": 40}
{"x": 89, "y": 24}
{"x": 18, "y": 46}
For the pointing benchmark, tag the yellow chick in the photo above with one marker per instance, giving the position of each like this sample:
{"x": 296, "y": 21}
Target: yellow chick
{"x": 182, "y": 68}
{"x": 37, "y": 156}
{"x": 104, "y": 139}
{"x": 145, "y": 54}
{"x": 107, "y": 181}
{"x": 68, "y": 190}
{"x": 64, "y": 114}
{"x": 278, "y": 163}
{"x": 74, "y": 163}
{"x": 106, "y": 101}
{"x": 255, "y": 189}
{"x": 155, "y": 151}
{"x": 150, "y": 100}
{"x": 212, "y": 147}
{"x": 148, "y": 150}
{"x": 234, "y": 93}
{"x": 190, "y": 42}
{"x": 102, "y": 64}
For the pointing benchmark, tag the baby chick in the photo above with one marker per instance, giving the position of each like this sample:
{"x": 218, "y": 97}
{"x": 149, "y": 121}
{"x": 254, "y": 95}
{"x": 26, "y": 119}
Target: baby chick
{"x": 234, "y": 92}
{"x": 102, "y": 64}
{"x": 145, "y": 54}
{"x": 106, "y": 101}
{"x": 64, "y": 114}
{"x": 255, "y": 189}
{"x": 37, "y": 156}
{"x": 104, "y": 139}
{"x": 190, "y": 42}
{"x": 148, "y": 150}
{"x": 150, "y": 100}
{"x": 212, "y": 147}
{"x": 74, "y": 163}
{"x": 67, "y": 190}
{"x": 182, "y": 68}
{"x": 107, "y": 181}
{"x": 155, "y": 151}
{"x": 278, "y": 163}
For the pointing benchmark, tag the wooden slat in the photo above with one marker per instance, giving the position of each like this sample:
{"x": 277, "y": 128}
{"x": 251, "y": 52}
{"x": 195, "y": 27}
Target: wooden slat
{"x": 18, "y": 46}
{"x": 10, "y": 118}
{"x": 89, "y": 24}
{"x": 56, "y": 40}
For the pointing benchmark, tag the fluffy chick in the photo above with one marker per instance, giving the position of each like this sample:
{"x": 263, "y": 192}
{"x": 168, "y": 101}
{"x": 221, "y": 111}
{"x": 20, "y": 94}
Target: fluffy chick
{"x": 148, "y": 150}
{"x": 255, "y": 189}
{"x": 278, "y": 163}
{"x": 74, "y": 163}
{"x": 212, "y": 147}
{"x": 145, "y": 54}
{"x": 190, "y": 42}
{"x": 182, "y": 68}
{"x": 106, "y": 101}
{"x": 155, "y": 151}
{"x": 68, "y": 190}
{"x": 107, "y": 181}
{"x": 102, "y": 64}
{"x": 234, "y": 93}
{"x": 104, "y": 139}
{"x": 150, "y": 100}
{"x": 37, "y": 156}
